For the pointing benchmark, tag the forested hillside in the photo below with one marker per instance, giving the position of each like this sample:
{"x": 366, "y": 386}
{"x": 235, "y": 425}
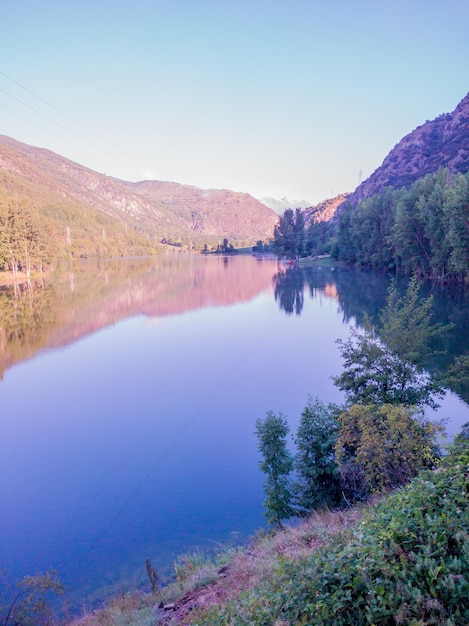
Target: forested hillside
{"x": 412, "y": 214}
{"x": 51, "y": 207}
{"x": 38, "y": 226}
{"x": 423, "y": 229}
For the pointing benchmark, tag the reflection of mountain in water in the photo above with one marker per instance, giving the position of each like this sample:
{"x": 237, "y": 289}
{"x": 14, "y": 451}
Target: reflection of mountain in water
{"x": 86, "y": 297}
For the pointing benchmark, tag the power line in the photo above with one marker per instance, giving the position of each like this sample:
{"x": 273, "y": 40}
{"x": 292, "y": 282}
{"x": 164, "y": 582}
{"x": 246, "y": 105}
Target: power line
{"x": 25, "y": 119}
{"x": 73, "y": 119}
{"x": 175, "y": 440}
{"x": 68, "y": 130}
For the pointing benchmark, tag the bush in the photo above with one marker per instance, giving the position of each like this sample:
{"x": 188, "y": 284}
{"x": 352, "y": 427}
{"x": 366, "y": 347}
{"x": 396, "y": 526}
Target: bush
{"x": 382, "y": 447}
{"x": 406, "y": 563}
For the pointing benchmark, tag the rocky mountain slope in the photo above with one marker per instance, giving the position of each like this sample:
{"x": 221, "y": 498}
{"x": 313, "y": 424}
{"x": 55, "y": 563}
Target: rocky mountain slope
{"x": 325, "y": 210}
{"x": 168, "y": 211}
{"x": 443, "y": 141}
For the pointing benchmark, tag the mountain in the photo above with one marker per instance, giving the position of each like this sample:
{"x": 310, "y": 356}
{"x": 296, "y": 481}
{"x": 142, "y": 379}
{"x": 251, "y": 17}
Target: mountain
{"x": 442, "y": 142}
{"x": 279, "y": 206}
{"x": 325, "y": 210}
{"x": 154, "y": 210}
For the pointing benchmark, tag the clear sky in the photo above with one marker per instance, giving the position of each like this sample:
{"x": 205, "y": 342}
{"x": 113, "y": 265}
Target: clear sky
{"x": 276, "y": 98}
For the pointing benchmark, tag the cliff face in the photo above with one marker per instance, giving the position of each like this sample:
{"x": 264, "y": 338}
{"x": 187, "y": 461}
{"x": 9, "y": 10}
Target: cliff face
{"x": 324, "y": 211}
{"x": 211, "y": 211}
{"x": 442, "y": 142}
{"x": 168, "y": 210}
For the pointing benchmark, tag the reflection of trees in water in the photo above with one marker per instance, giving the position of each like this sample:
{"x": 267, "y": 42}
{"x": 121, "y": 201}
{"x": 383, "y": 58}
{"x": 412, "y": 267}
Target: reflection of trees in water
{"x": 355, "y": 292}
{"x": 288, "y": 290}
{"x": 358, "y": 293}
{"x": 90, "y": 295}
{"x": 27, "y": 313}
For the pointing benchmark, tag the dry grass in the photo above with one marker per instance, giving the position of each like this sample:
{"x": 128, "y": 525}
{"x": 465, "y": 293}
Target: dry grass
{"x": 201, "y": 585}
{"x": 129, "y": 610}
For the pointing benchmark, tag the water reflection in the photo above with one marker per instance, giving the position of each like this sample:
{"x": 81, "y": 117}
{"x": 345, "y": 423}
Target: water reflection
{"x": 85, "y": 297}
{"x": 288, "y": 290}
{"x": 359, "y": 293}
{"x": 28, "y": 313}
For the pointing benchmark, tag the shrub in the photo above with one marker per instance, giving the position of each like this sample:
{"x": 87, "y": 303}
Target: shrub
{"x": 406, "y": 563}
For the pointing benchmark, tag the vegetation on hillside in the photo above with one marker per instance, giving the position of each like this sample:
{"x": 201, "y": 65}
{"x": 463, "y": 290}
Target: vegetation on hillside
{"x": 38, "y": 228}
{"x": 407, "y": 562}
{"x": 26, "y": 602}
{"x": 423, "y": 229}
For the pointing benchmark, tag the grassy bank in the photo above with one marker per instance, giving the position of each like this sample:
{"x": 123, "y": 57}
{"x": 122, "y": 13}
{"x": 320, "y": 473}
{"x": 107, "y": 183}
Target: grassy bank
{"x": 203, "y": 583}
{"x": 404, "y": 560}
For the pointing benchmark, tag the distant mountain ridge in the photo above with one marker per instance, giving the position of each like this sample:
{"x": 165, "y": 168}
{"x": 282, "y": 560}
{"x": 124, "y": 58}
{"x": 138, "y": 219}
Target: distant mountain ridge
{"x": 442, "y": 142}
{"x": 162, "y": 210}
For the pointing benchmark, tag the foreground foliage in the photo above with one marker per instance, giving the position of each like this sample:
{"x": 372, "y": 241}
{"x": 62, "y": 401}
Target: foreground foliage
{"x": 317, "y": 475}
{"x": 276, "y": 464}
{"x": 407, "y": 562}
{"x": 25, "y": 603}
{"x": 383, "y": 447}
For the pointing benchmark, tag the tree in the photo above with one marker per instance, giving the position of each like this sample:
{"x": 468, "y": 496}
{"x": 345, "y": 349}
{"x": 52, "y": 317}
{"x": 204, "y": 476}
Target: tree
{"x": 289, "y": 235}
{"x": 277, "y": 464}
{"x": 226, "y": 247}
{"x": 388, "y": 366}
{"x": 27, "y": 605}
{"x": 422, "y": 229}
{"x": 319, "y": 238}
{"x": 457, "y": 226}
{"x": 370, "y": 227}
{"x": 318, "y": 482}
{"x": 382, "y": 447}
{"x": 24, "y": 240}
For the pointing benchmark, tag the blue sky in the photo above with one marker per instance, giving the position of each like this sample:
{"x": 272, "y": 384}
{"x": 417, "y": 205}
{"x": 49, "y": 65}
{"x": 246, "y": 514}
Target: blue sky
{"x": 290, "y": 98}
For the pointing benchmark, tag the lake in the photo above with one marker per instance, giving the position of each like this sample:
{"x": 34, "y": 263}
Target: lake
{"x": 129, "y": 397}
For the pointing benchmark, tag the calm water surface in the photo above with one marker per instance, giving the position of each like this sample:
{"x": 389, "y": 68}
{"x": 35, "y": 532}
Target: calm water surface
{"x": 129, "y": 397}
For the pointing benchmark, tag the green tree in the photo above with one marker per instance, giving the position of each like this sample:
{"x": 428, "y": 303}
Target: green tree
{"x": 289, "y": 235}
{"x": 383, "y": 447}
{"x": 24, "y": 240}
{"x": 277, "y": 464}
{"x": 388, "y": 366}
{"x": 345, "y": 247}
{"x": 27, "y": 601}
{"x": 422, "y": 229}
{"x": 317, "y": 483}
{"x": 370, "y": 228}
{"x": 457, "y": 226}
{"x": 319, "y": 238}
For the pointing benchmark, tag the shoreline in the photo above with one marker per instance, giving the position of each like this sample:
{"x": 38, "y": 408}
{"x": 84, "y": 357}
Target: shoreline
{"x": 8, "y": 278}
